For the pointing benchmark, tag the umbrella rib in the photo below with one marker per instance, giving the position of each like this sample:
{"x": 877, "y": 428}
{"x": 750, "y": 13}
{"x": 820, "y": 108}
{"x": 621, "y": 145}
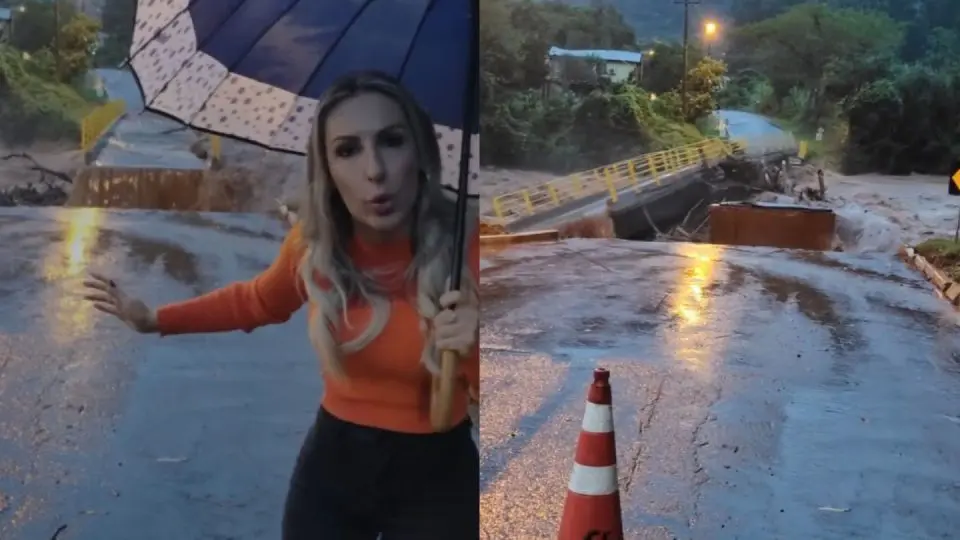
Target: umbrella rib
{"x": 312, "y": 73}
{"x": 333, "y": 47}
{"x": 200, "y": 45}
{"x": 413, "y": 42}
{"x": 240, "y": 58}
{"x": 146, "y": 42}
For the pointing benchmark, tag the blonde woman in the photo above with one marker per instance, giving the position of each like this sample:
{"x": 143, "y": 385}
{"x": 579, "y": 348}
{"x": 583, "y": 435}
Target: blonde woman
{"x": 370, "y": 253}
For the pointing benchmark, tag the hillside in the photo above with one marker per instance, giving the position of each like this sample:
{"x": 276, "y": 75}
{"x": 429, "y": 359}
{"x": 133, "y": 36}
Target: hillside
{"x": 662, "y": 20}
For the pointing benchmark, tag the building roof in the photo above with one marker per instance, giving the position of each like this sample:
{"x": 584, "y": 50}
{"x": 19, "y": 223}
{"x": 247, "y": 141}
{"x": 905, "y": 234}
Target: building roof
{"x": 5, "y": 14}
{"x": 629, "y": 57}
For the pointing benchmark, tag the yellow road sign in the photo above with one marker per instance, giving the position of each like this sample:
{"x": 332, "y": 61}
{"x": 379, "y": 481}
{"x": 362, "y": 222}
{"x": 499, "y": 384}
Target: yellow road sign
{"x": 956, "y": 178}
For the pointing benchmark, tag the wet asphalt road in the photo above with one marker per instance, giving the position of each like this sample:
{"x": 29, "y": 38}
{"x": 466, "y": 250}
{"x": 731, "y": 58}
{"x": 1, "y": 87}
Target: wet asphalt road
{"x": 758, "y": 132}
{"x": 758, "y": 394}
{"x": 126, "y": 437}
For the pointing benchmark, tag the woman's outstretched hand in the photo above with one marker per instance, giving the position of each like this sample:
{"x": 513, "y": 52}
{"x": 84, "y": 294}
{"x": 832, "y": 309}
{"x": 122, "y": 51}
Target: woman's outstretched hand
{"x": 109, "y": 298}
{"x": 457, "y": 327}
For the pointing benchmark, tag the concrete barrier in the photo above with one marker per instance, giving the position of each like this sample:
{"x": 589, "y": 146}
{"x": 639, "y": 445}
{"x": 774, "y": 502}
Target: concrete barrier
{"x": 772, "y": 225}
{"x": 151, "y": 189}
{"x": 944, "y": 286}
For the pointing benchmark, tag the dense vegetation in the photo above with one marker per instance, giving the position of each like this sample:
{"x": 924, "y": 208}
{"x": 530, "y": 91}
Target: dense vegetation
{"x": 881, "y": 77}
{"x": 117, "y": 24}
{"x": 42, "y": 97}
{"x": 590, "y": 124}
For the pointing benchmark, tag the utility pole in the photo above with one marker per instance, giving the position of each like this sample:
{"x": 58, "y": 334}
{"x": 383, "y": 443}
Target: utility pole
{"x": 56, "y": 36}
{"x": 686, "y": 39}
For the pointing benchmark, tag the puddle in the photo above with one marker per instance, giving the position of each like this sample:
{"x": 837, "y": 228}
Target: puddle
{"x": 815, "y": 306}
{"x": 812, "y": 303}
{"x": 736, "y": 279}
{"x": 499, "y": 297}
{"x": 178, "y": 263}
{"x": 198, "y": 220}
{"x": 920, "y": 320}
{"x": 823, "y": 260}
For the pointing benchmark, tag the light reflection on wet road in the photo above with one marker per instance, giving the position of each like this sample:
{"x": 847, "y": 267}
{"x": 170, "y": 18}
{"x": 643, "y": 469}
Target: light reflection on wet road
{"x": 758, "y": 394}
{"x": 120, "y": 436}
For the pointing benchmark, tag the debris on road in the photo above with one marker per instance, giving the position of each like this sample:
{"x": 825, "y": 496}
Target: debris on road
{"x": 48, "y": 190}
{"x": 171, "y": 459}
{"x": 33, "y": 195}
{"x": 832, "y": 509}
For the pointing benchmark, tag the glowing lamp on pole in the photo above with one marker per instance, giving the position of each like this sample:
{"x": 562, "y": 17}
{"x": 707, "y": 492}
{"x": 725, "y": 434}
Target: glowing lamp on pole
{"x": 710, "y": 29}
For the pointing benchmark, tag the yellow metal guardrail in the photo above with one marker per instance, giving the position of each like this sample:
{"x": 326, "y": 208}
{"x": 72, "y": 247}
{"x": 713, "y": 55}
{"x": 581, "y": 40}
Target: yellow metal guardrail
{"x": 216, "y": 148}
{"x": 95, "y": 124}
{"x": 612, "y": 179}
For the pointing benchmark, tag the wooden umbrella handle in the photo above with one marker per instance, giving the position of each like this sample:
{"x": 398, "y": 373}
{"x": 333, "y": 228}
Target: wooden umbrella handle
{"x": 441, "y": 395}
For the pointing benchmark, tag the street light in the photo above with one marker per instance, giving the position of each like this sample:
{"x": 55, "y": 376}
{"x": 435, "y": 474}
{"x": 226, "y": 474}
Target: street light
{"x": 709, "y": 34}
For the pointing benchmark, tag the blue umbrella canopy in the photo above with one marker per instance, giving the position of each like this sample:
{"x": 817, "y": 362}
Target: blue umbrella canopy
{"x": 253, "y": 69}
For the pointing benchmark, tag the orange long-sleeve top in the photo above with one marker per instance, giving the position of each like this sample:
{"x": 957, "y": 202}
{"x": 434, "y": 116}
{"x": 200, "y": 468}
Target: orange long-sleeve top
{"x": 385, "y": 386}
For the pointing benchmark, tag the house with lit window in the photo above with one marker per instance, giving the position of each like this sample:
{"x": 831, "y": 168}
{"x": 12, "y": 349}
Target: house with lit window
{"x": 587, "y": 66}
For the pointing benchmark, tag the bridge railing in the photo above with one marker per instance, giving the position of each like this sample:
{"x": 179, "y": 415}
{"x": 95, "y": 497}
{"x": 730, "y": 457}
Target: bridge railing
{"x": 100, "y": 119}
{"x": 611, "y": 179}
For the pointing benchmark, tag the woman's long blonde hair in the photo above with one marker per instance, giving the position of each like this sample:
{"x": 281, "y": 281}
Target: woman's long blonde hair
{"x": 327, "y": 226}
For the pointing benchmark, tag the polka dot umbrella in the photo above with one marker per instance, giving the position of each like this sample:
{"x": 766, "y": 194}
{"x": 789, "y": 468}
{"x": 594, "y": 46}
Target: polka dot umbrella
{"x": 253, "y": 69}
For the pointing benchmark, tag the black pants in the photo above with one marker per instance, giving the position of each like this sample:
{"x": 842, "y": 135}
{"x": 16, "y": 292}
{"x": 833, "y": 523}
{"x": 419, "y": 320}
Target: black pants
{"x": 353, "y": 482}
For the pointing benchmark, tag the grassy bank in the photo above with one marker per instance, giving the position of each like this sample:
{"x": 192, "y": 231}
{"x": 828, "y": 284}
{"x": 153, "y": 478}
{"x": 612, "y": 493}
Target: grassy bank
{"x": 32, "y": 106}
{"x": 943, "y": 253}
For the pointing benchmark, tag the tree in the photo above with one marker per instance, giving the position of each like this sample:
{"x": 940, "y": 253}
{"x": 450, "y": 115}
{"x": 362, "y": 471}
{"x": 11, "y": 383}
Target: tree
{"x": 118, "y": 18}
{"x": 703, "y": 82}
{"x": 522, "y": 125}
{"x": 78, "y": 40}
{"x": 943, "y": 48}
{"x": 35, "y": 26}
{"x": 751, "y": 11}
{"x": 798, "y": 47}
{"x": 904, "y": 123}
{"x": 35, "y": 31}
{"x": 663, "y": 70}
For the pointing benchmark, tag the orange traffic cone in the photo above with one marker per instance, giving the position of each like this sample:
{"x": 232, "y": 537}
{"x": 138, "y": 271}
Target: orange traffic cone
{"x": 592, "y": 509}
